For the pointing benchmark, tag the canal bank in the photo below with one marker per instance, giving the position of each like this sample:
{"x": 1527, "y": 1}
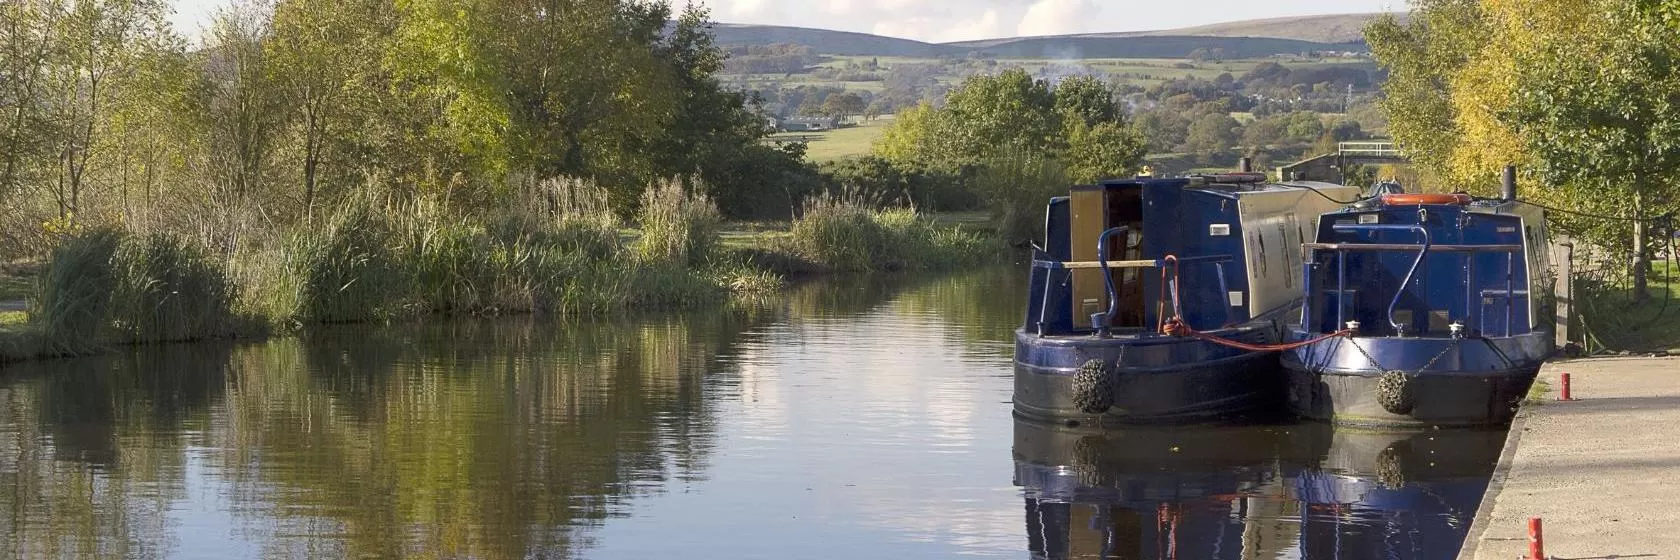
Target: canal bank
{"x": 1596, "y": 469}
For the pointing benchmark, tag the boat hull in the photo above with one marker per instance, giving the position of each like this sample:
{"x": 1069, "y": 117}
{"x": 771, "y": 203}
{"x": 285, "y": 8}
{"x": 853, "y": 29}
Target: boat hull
{"x": 1156, "y": 379}
{"x": 1467, "y": 383}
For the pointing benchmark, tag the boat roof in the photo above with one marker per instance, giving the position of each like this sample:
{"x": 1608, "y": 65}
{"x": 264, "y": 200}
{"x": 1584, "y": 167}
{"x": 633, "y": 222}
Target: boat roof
{"x": 1225, "y": 185}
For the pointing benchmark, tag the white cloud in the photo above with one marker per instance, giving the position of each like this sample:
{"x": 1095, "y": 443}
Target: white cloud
{"x": 940, "y": 30}
{"x": 1057, "y": 17}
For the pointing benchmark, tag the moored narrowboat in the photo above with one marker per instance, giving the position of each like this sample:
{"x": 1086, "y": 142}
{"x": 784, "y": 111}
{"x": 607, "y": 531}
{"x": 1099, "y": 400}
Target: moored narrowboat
{"x": 1126, "y": 261}
{"x": 1442, "y": 302}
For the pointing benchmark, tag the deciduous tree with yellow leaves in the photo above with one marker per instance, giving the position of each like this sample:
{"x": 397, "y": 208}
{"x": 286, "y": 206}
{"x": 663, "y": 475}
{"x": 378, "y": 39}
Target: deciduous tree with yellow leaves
{"x": 1583, "y": 95}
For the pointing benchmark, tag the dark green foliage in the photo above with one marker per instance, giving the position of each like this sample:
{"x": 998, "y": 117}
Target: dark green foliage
{"x": 74, "y": 306}
{"x": 849, "y": 232}
{"x": 877, "y": 178}
{"x": 105, "y": 287}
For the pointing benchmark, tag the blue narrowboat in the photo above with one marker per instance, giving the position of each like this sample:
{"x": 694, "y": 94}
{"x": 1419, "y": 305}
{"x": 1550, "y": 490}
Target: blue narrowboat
{"x": 1123, "y": 260}
{"x": 1441, "y": 302}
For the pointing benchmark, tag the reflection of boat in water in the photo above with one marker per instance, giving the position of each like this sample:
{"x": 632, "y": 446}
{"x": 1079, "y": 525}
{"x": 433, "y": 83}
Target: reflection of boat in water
{"x": 1091, "y": 347}
{"x": 1144, "y": 492}
{"x": 1393, "y": 495}
{"x": 1241, "y": 492}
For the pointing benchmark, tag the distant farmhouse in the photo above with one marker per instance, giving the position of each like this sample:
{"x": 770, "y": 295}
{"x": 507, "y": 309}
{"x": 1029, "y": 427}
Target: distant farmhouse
{"x": 805, "y": 124}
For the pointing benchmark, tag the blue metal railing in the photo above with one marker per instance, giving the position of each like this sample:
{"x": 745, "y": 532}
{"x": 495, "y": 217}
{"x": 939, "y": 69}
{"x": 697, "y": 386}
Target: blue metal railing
{"x": 1103, "y": 321}
{"x": 1422, "y": 252}
{"x": 1342, "y": 250}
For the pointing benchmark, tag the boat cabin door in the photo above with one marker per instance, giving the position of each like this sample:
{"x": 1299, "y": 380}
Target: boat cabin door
{"x": 1094, "y": 210}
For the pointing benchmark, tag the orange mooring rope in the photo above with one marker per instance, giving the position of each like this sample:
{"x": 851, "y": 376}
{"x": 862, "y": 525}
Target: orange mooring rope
{"x": 1177, "y": 327}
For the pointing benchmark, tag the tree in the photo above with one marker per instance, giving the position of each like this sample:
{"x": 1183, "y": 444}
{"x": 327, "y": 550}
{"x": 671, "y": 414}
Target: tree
{"x": 1163, "y": 130}
{"x": 844, "y": 105}
{"x": 319, "y": 53}
{"x": 1578, "y": 93}
{"x": 1008, "y": 109}
{"x": 1103, "y": 151}
{"x": 1212, "y": 133}
{"x": 1085, "y": 99}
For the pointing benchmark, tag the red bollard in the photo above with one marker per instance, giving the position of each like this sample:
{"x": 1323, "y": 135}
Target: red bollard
{"x": 1536, "y": 544}
{"x": 1564, "y": 396}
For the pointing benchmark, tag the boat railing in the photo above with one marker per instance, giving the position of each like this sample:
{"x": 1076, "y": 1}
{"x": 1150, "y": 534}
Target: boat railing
{"x": 1471, "y": 295}
{"x": 1100, "y": 321}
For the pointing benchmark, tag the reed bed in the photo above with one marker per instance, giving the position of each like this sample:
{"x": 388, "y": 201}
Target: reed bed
{"x": 849, "y": 232}
{"x": 373, "y": 259}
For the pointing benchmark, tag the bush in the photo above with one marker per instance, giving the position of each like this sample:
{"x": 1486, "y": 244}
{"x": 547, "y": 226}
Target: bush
{"x": 847, "y": 232}
{"x": 73, "y": 312}
{"x": 105, "y": 286}
{"x": 1017, "y": 186}
{"x": 677, "y": 226}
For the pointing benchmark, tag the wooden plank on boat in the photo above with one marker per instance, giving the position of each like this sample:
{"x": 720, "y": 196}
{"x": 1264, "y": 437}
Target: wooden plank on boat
{"x": 1111, "y": 264}
{"x": 1412, "y": 247}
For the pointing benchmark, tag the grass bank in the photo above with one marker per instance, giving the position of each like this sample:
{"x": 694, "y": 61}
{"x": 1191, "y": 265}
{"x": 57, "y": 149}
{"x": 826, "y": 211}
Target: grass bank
{"x": 1615, "y": 320}
{"x": 374, "y": 260}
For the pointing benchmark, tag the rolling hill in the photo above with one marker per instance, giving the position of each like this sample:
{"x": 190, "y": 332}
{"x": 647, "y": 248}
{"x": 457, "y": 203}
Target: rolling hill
{"x": 1243, "y": 39}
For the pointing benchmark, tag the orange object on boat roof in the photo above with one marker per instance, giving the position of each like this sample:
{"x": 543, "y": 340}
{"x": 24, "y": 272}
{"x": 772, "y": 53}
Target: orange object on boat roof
{"x": 1408, "y": 199}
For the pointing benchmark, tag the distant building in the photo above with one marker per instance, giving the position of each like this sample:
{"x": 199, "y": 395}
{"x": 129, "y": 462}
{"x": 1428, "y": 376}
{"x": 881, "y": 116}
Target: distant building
{"x": 807, "y": 124}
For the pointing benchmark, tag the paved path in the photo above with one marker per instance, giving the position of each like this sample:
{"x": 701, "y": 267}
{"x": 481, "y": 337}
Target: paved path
{"x": 1603, "y": 472}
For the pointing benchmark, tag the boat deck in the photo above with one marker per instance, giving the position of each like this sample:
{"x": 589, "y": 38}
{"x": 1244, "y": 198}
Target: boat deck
{"x": 1598, "y": 470}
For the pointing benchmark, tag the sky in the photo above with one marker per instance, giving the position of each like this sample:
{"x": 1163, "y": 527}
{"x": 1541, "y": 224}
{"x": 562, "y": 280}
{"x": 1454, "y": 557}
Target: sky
{"x": 961, "y": 20}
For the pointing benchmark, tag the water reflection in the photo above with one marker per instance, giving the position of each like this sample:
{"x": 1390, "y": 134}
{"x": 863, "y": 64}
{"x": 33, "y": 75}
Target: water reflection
{"x": 1276, "y": 491}
{"x": 860, "y": 417}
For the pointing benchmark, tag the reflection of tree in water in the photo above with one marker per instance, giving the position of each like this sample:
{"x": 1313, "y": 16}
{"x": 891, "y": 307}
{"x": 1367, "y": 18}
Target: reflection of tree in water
{"x": 981, "y": 309}
{"x": 486, "y": 440}
{"x": 92, "y": 450}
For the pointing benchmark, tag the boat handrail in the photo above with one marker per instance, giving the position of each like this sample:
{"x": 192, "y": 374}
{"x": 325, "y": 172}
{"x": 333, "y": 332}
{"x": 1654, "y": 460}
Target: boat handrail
{"x": 1412, "y": 247}
{"x": 1421, "y": 249}
{"x": 1156, "y": 263}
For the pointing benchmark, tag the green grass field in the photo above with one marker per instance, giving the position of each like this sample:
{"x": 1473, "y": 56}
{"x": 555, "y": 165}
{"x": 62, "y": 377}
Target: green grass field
{"x": 840, "y": 143}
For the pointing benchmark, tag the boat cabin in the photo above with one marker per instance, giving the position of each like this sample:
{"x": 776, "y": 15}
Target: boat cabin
{"x": 1232, "y": 239}
{"x": 1428, "y": 266}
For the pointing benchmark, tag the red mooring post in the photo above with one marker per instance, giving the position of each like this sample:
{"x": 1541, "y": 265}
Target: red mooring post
{"x": 1536, "y": 544}
{"x": 1564, "y": 392}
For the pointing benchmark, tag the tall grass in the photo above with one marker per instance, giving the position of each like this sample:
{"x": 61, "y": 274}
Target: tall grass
{"x": 677, "y": 226}
{"x": 375, "y": 260}
{"x": 846, "y": 231}
{"x": 105, "y": 286}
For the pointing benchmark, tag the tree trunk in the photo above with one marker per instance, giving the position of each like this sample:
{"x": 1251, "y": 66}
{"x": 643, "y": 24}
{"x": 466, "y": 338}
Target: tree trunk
{"x": 1641, "y": 268}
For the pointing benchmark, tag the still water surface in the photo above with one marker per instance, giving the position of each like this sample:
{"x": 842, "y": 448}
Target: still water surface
{"x": 858, "y": 418}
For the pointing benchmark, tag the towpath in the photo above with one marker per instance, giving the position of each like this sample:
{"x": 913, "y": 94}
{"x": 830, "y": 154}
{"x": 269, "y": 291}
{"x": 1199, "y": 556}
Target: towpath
{"x": 1602, "y": 471}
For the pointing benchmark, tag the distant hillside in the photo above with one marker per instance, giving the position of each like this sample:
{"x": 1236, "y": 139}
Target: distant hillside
{"x": 842, "y": 43}
{"x": 1243, "y": 39}
{"x": 1338, "y": 28}
{"x": 1146, "y": 47}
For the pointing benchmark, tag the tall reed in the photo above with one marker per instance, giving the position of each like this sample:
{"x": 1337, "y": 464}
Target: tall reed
{"x": 847, "y": 231}
{"x": 678, "y": 226}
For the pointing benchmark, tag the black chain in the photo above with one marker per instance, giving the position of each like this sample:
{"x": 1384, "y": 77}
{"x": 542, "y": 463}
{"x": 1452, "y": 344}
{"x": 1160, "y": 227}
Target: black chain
{"x": 1426, "y": 366}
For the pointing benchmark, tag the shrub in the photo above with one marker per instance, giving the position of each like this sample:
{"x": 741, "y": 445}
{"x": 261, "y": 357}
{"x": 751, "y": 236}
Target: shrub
{"x": 846, "y": 232}
{"x": 104, "y": 286}
{"x": 677, "y": 226}
{"x": 74, "y": 308}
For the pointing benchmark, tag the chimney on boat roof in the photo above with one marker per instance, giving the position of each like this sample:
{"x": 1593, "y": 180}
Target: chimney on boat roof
{"x": 1508, "y": 184}
{"x": 1245, "y": 165}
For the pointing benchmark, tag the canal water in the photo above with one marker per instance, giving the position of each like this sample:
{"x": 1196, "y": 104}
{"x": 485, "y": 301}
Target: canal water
{"x": 852, "y": 418}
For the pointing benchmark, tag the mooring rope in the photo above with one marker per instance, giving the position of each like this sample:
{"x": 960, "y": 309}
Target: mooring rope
{"x": 1176, "y": 326}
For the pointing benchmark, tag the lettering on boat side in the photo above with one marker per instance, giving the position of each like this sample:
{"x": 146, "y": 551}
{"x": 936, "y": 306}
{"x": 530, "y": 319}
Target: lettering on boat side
{"x": 1219, "y": 230}
{"x": 1507, "y": 229}
{"x": 1370, "y": 218}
